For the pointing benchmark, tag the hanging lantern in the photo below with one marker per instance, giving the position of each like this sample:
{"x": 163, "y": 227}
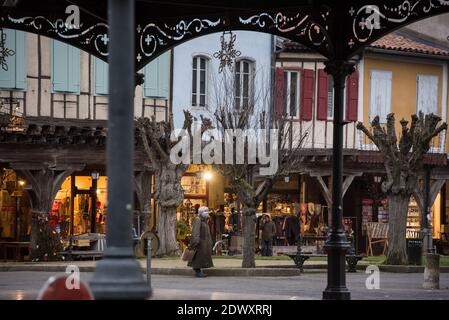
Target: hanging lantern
{"x": 227, "y": 53}
{"x": 4, "y": 51}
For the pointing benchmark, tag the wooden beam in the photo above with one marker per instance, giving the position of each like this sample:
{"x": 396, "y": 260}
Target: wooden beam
{"x": 325, "y": 190}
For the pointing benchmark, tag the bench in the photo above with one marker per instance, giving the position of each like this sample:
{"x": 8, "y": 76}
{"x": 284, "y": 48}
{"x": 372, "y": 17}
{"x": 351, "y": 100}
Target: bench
{"x": 299, "y": 260}
{"x": 299, "y": 256}
{"x": 82, "y": 254}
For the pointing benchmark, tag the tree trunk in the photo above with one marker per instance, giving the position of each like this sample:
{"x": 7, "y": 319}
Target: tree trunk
{"x": 167, "y": 231}
{"x": 169, "y": 195}
{"x": 397, "y": 244}
{"x": 249, "y": 245}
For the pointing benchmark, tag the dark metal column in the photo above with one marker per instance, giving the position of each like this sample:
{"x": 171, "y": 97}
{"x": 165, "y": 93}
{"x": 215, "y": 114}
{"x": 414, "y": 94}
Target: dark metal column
{"x": 93, "y": 195}
{"x": 337, "y": 244}
{"x": 118, "y": 275}
{"x": 426, "y": 227}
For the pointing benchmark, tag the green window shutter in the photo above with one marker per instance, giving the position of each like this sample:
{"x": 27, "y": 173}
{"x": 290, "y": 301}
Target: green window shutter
{"x": 59, "y": 70}
{"x": 101, "y": 77}
{"x": 163, "y": 75}
{"x": 151, "y": 76}
{"x": 8, "y": 78}
{"x": 21, "y": 61}
{"x": 74, "y": 70}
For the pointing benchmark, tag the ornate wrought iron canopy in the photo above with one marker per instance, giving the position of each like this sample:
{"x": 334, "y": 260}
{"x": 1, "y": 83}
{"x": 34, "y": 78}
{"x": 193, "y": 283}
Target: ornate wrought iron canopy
{"x": 336, "y": 29}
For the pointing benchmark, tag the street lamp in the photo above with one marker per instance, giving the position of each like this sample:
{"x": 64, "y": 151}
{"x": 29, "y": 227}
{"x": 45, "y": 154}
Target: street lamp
{"x": 118, "y": 275}
{"x": 95, "y": 175}
{"x": 93, "y": 193}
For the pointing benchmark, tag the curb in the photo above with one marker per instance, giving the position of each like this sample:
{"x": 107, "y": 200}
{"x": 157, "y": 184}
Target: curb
{"x": 234, "y": 272}
{"x": 267, "y": 271}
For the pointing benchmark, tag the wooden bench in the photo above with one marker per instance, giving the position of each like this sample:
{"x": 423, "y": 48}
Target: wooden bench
{"x": 299, "y": 257}
{"x": 82, "y": 254}
{"x": 299, "y": 260}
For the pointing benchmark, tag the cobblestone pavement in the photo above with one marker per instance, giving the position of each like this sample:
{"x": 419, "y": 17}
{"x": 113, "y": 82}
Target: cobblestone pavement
{"x": 26, "y": 285}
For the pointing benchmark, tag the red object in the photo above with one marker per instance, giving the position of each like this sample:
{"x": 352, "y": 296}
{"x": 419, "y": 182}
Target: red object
{"x": 56, "y": 289}
{"x": 279, "y": 95}
{"x": 307, "y": 85}
{"x": 321, "y": 113}
{"x": 352, "y": 91}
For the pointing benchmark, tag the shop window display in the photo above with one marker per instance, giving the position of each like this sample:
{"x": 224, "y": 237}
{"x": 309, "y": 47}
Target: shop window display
{"x": 15, "y": 212}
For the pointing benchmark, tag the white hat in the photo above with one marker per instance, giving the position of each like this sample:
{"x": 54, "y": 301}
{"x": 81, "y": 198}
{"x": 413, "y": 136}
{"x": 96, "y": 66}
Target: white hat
{"x": 203, "y": 209}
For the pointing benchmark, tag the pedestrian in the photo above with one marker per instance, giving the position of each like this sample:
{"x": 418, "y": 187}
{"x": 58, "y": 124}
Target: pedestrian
{"x": 268, "y": 232}
{"x": 292, "y": 229}
{"x": 201, "y": 241}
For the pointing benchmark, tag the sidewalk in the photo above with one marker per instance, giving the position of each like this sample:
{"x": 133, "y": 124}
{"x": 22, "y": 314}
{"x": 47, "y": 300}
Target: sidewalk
{"x": 222, "y": 267}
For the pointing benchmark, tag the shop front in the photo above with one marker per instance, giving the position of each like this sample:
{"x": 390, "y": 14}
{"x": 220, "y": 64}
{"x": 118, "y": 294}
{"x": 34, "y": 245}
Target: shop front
{"x": 15, "y": 217}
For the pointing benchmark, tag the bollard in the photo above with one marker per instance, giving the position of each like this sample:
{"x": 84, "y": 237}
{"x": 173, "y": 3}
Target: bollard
{"x": 432, "y": 271}
{"x": 149, "y": 249}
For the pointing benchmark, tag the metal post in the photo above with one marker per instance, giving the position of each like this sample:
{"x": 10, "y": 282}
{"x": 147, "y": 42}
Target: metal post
{"x": 337, "y": 244}
{"x": 118, "y": 275}
{"x": 93, "y": 196}
{"x": 426, "y": 227}
{"x": 149, "y": 253}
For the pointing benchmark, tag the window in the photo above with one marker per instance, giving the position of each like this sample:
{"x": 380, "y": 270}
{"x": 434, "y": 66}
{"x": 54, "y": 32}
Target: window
{"x": 331, "y": 98}
{"x": 380, "y": 100}
{"x": 199, "y": 81}
{"x": 427, "y": 94}
{"x": 15, "y": 76}
{"x": 65, "y": 68}
{"x": 243, "y": 83}
{"x": 101, "y": 77}
{"x": 157, "y": 74}
{"x": 291, "y": 93}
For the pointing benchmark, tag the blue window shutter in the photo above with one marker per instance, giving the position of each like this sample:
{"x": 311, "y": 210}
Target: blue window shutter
{"x": 163, "y": 75}
{"x": 8, "y": 78}
{"x": 101, "y": 77}
{"x": 151, "y": 76}
{"x": 74, "y": 70}
{"x": 59, "y": 68}
{"x": 21, "y": 61}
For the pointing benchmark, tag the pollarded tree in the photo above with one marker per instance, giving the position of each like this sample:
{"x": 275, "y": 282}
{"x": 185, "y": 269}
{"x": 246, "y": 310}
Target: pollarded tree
{"x": 403, "y": 161}
{"x": 167, "y": 175}
{"x": 277, "y": 156}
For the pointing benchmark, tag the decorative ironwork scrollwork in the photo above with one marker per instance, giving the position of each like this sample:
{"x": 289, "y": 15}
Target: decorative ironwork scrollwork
{"x": 301, "y": 25}
{"x": 5, "y": 52}
{"x": 153, "y": 36}
{"x": 369, "y": 18}
{"x": 95, "y": 35}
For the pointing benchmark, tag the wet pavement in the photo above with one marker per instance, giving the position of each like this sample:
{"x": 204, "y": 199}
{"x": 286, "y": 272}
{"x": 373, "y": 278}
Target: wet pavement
{"x": 26, "y": 285}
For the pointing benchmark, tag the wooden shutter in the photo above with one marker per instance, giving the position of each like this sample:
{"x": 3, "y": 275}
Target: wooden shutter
{"x": 163, "y": 75}
{"x": 74, "y": 70}
{"x": 151, "y": 76}
{"x": 279, "y": 94}
{"x": 101, "y": 77}
{"x": 21, "y": 60}
{"x": 60, "y": 61}
{"x": 322, "y": 95}
{"x": 427, "y": 97}
{"x": 380, "y": 94}
{"x": 352, "y": 96}
{"x": 307, "y": 92}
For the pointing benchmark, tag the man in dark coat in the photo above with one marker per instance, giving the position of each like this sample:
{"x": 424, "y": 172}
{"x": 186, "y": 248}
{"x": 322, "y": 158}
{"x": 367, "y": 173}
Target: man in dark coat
{"x": 292, "y": 229}
{"x": 202, "y": 242}
{"x": 268, "y": 232}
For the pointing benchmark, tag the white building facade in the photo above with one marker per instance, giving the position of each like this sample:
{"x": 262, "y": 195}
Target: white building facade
{"x": 197, "y": 82}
